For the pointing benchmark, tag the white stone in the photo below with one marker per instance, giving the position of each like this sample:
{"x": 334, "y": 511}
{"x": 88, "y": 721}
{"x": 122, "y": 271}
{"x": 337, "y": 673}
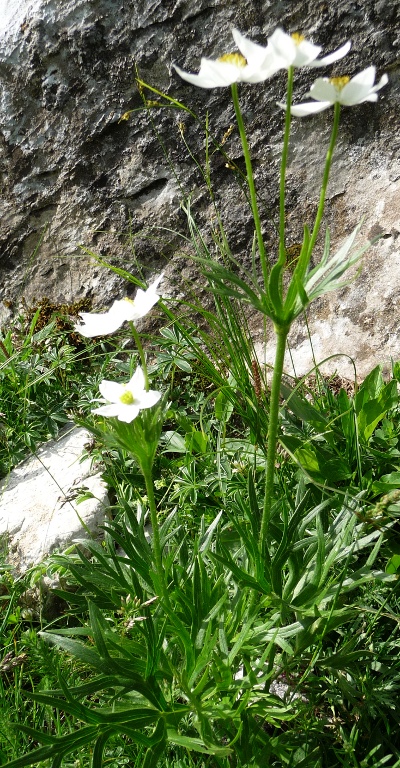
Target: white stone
{"x": 355, "y": 329}
{"x": 13, "y": 13}
{"x": 38, "y": 500}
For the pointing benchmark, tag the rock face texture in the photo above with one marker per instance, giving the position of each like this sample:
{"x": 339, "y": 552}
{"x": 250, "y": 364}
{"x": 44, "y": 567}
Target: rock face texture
{"x": 38, "y": 501}
{"x": 73, "y": 173}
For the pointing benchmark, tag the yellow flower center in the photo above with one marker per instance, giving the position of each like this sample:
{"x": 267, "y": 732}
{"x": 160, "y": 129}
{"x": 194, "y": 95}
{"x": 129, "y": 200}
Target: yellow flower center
{"x": 297, "y": 37}
{"x": 127, "y": 398}
{"x": 339, "y": 82}
{"x": 233, "y": 58}
{"x": 128, "y": 300}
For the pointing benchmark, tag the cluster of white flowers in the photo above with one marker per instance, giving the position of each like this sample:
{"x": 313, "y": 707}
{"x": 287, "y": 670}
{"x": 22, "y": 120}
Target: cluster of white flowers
{"x": 256, "y": 63}
{"x": 123, "y": 401}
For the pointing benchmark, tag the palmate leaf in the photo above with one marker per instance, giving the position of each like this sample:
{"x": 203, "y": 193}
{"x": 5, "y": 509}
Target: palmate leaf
{"x": 138, "y": 717}
{"x": 268, "y": 633}
{"x": 102, "y": 683}
{"x": 41, "y": 736}
{"x": 209, "y": 641}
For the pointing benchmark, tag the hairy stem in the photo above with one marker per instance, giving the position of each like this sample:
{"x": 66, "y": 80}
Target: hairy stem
{"x": 281, "y": 337}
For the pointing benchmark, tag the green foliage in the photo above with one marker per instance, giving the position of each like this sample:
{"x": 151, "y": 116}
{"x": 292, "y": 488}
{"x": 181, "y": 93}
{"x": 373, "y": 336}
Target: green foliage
{"x": 242, "y": 608}
{"x": 41, "y": 373}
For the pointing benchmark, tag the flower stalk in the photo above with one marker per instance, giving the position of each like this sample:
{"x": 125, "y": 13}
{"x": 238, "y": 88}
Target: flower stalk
{"x": 285, "y": 150}
{"x": 325, "y": 178}
{"x": 251, "y": 184}
{"x": 281, "y": 334}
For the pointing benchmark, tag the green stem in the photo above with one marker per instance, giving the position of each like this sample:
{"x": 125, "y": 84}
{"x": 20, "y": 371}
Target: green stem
{"x": 325, "y": 179}
{"x": 282, "y": 249}
{"x": 142, "y": 356}
{"x": 281, "y": 333}
{"x": 251, "y": 185}
{"x": 148, "y": 476}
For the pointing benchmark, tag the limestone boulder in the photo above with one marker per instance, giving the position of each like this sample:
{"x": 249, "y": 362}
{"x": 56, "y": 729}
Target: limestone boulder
{"x": 39, "y": 509}
{"x": 74, "y": 173}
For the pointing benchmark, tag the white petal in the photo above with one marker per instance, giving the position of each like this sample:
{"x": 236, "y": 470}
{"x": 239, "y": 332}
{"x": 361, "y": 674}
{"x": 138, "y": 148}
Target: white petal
{"x": 284, "y": 46}
{"x": 306, "y": 52}
{"x": 383, "y": 81}
{"x": 121, "y": 311}
{"x": 136, "y": 383}
{"x": 143, "y": 303}
{"x": 154, "y": 285}
{"x": 252, "y": 52}
{"x": 213, "y": 74}
{"x": 109, "y": 411}
{"x": 272, "y": 63}
{"x": 148, "y": 399}
{"x": 361, "y": 87}
{"x": 332, "y": 57}
{"x": 309, "y": 108}
{"x": 358, "y": 88}
{"x": 127, "y": 413}
{"x": 222, "y": 72}
{"x": 262, "y": 62}
{"x": 98, "y": 324}
{"x": 323, "y": 90}
{"x": 111, "y": 390}
{"x": 366, "y": 78}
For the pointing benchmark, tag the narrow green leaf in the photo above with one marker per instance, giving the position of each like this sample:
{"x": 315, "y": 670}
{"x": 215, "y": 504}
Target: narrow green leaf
{"x": 64, "y": 746}
{"x": 196, "y": 745}
{"x": 98, "y": 749}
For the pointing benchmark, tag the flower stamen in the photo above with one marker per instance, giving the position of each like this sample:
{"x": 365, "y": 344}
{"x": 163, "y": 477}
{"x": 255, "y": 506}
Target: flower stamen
{"x": 127, "y": 398}
{"x": 339, "y": 82}
{"x": 233, "y": 58}
{"x": 297, "y": 37}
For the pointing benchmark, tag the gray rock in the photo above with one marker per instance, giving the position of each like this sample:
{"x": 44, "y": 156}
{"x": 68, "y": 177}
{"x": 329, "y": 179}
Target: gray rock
{"x": 38, "y": 501}
{"x": 73, "y": 173}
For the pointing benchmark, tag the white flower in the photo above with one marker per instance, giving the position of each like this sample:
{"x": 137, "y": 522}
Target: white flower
{"x": 295, "y": 51}
{"x": 253, "y": 64}
{"x": 340, "y": 90}
{"x": 101, "y": 324}
{"x": 124, "y": 401}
